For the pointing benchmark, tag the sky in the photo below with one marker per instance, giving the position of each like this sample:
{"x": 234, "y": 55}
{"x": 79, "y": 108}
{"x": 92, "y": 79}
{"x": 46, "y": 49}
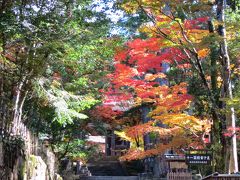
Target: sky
{"x": 108, "y": 7}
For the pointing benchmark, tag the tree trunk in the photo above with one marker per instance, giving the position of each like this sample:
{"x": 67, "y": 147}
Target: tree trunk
{"x": 218, "y": 143}
{"x": 231, "y": 118}
{"x": 19, "y": 99}
{"x": 16, "y": 109}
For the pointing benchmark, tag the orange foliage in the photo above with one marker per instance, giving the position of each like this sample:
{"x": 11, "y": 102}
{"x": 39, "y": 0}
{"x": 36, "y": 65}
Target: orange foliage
{"x": 142, "y": 129}
{"x": 105, "y": 113}
{"x": 152, "y": 77}
{"x": 203, "y": 53}
{"x": 139, "y": 73}
{"x": 176, "y": 143}
{"x": 168, "y": 103}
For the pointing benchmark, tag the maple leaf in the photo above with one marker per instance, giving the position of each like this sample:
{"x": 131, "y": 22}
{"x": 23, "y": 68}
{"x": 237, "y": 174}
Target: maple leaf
{"x": 203, "y": 53}
{"x": 140, "y": 71}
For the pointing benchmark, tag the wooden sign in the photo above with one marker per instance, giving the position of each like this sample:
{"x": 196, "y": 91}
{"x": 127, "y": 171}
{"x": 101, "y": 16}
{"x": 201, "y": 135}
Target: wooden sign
{"x": 198, "y": 156}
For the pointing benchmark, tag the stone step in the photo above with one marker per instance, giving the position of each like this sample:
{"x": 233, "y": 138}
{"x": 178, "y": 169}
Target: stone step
{"x": 109, "y": 178}
{"x": 105, "y": 158}
{"x": 106, "y": 170}
{"x": 106, "y": 166}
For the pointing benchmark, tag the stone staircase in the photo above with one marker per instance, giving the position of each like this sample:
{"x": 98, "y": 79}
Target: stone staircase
{"x": 107, "y": 168}
{"x": 121, "y": 178}
{"x": 110, "y": 178}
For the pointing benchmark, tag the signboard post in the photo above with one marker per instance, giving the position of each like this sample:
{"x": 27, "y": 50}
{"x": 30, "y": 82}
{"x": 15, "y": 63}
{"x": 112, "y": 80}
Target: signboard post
{"x": 198, "y": 156}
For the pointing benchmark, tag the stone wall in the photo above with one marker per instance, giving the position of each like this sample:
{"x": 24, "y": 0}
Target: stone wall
{"x": 36, "y": 168}
{"x": 34, "y": 161}
{"x": 50, "y": 160}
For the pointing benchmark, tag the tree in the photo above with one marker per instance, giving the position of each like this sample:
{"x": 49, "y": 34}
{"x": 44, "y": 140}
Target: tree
{"x": 227, "y": 85}
{"x": 51, "y": 57}
{"x": 190, "y": 32}
{"x": 139, "y": 82}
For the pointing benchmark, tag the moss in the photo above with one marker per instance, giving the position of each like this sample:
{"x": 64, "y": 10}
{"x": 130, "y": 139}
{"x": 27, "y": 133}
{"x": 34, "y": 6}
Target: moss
{"x": 23, "y": 171}
{"x": 27, "y": 168}
{"x": 32, "y": 163}
{"x": 58, "y": 177}
{"x": 33, "y": 159}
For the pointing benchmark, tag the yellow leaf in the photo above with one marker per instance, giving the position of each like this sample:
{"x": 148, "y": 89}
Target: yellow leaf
{"x": 203, "y": 53}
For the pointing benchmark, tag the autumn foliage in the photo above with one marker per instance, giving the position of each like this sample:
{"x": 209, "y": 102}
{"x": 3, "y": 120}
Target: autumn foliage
{"x": 230, "y": 131}
{"x": 140, "y": 80}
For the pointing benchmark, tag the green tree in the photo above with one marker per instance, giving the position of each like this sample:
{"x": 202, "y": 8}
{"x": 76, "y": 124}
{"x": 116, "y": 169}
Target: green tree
{"x": 52, "y": 55}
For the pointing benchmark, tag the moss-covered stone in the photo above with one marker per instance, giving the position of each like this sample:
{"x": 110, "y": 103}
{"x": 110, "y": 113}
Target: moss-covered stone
{"x": 32, "y": 163}
{"x": 36, "y": 168}
{"x": 58, "y": 177}
{"x": 23, "y": 171}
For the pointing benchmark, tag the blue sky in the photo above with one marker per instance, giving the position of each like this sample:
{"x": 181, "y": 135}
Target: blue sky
{"x": 108, "y": 7}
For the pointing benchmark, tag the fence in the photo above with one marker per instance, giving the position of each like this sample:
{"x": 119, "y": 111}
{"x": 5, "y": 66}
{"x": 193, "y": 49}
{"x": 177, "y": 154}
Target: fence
{"x": 179, "y": 176}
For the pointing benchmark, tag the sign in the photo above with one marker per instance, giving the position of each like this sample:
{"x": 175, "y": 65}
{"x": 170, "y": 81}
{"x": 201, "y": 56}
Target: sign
{"x": 198, "y": 156}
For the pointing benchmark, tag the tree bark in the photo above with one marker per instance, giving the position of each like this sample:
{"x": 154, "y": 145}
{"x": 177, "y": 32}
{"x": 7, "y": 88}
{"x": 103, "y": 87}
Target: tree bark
{"x": 19, "y": 99}
{"x": 231, "y": 118}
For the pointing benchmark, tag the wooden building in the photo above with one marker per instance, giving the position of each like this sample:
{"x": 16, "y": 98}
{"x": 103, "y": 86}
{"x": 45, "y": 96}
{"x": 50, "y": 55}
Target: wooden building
{"x": 114, "y": 146}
